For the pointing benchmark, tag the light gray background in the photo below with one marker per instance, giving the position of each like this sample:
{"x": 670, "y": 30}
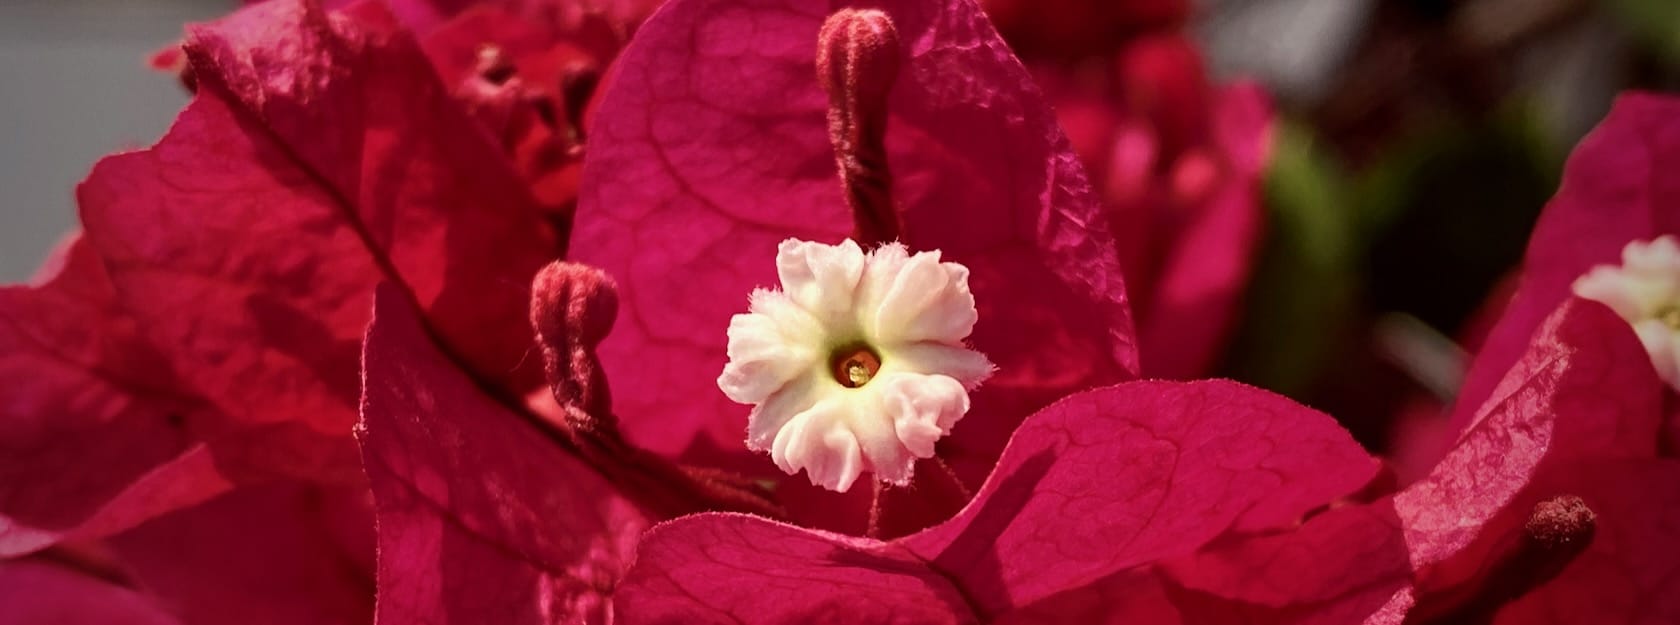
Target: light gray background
{"x": 74, "y": 86}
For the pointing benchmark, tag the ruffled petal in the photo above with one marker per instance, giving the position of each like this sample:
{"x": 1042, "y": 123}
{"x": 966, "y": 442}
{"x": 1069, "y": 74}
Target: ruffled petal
{"x": 770, "y": 416}
{"x": 965, "y": 365}
{"x": 925, "y": 300}
{"x": 821, "y": 278}
{"x": 820, "y": 442}
{"x": 922, "y": 409}
{"x": 769, "y": 346}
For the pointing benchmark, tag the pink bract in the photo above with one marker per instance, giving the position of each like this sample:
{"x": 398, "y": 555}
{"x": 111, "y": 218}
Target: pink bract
{"x": 479, "y": 512}
{"x": 335, "y": 177}
{"x": 41, "y": 591}
{"x": 1094, "y": 485}
{"x": 710, "y": 147}
{"x": 96, "y": 440}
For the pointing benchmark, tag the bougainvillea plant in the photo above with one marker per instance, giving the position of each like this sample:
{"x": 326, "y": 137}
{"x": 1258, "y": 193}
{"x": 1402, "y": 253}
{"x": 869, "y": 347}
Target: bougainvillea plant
{"x": 1176, "y": 162}
{"x": 840, "y": 334}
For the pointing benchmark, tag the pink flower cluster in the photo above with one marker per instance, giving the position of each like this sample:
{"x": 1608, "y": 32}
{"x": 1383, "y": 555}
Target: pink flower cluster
{"x": 417, "y": 314}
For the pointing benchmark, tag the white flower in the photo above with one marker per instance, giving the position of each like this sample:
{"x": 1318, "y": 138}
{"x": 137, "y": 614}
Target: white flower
{"x": 857, "y": 364}
{"x": 1644, "y": 290}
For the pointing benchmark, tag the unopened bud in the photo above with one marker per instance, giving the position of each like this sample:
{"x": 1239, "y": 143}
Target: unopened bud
{"x": 858, "y": 60}
{"x": 572, "y": 309}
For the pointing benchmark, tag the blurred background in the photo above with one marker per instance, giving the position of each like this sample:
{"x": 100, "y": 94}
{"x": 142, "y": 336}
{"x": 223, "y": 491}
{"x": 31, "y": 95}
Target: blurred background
{"x": 1420, "y": 140}
{"x": 74, "y": 86}
{"x": 1417, "y": 140}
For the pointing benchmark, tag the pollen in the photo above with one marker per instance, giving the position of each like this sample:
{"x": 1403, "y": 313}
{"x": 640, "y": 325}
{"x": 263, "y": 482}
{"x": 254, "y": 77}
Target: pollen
{"x": 857, "y": 364}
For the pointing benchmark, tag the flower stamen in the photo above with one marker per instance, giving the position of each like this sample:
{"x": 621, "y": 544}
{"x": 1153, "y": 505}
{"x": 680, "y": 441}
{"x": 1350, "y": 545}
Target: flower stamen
{"x": 857, "y": 367}
{"x": 1669, "y": 316}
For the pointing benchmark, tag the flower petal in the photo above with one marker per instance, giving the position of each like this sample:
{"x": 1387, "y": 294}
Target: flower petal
{"x": 277, "y": 554}
{"x": 1196, "y": 297}
{"x": 821, "y": 278}
{"x": 820, "y": 441}
{"x": 1555, "y": 413}
{"x": 1101, "y": 482}
{"x": 41, "y": 591}
{"x": 775, "y": 343}
{"x": 772, "y": 415}
{"x": 965, "y": 365}
{"x": 96, "y": 431}
{"x": 926, "y": 300}
{"x": 922, "y": 409}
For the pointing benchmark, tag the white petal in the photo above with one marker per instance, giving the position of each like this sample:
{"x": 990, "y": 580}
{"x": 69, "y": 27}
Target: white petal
{"x": 1658, "y": 257}
{"x": 819, "y": 442}
{"x": 769, "y": 417}
{"x": 884, "y": 454}
{"x": 922, "y": 409}
{"x": 881, "y": 268}
{"x": 769, "y": 346}
{"x": 1607, "y": 284}
{"x": 966, "y": 365}
{"x": 821, "y": 278}
{"x": 923, "y": 300}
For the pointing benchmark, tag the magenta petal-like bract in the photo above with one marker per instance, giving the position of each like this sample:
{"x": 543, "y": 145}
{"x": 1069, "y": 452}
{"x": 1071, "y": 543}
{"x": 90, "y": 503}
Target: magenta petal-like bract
{"x": 1095, "y": 484}
{"x": 729, "y": 568}
{"x": 710, "y": 146}
{"x": 319, "y": 157}
{"x": 1342, "y": 567}
{"x": 1628, "y": 573}
{"x": 276, "y": 554}
{"x": 481, "y": 518}
{"x": 93, "y": 434}
{"x": 1582, "y": 395}
{"x": 1114, "y": 478}
{"x": 1617, "y": 188}
{"x": 41, "y": 592}
{"x": 1584, "y": 389}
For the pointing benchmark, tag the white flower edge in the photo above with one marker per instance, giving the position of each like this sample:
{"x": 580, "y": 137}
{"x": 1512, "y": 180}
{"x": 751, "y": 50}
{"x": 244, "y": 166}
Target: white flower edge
{"x": 1644, "y": 290}
{"x": 912, "y": 312}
